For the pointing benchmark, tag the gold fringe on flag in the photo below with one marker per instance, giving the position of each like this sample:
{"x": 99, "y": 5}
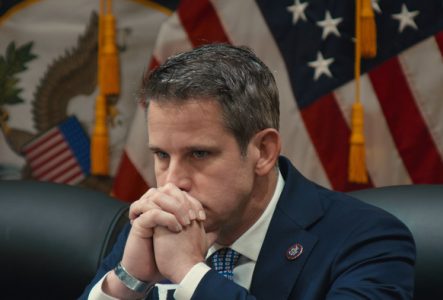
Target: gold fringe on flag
{"x": 108, "y": 73}
{"x": 100, "y": 140}
{"x": 357, "y": 157}
{"x": 368, "y": 31}
{"x": 109, "y": 63}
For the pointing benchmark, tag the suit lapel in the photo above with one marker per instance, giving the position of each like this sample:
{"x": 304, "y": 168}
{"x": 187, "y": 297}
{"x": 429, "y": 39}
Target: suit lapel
{"x": 276, "y": 271}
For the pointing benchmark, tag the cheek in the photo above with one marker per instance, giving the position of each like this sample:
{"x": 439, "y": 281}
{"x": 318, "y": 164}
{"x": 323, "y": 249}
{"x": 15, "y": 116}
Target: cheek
{"x": 159, "y": 177}
{"x": 241, "y": 178}
{"x": 225, "y": 193}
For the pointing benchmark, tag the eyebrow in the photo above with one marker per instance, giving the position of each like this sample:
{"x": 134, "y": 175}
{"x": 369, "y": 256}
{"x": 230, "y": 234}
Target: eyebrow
{"x": 153, "y": 148}
{"x": 187, "y": 149}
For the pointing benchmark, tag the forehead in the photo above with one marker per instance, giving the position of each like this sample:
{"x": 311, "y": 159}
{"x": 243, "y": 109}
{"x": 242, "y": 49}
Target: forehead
{"x": 191, "y": 117}
{"x": 187, "y": 110}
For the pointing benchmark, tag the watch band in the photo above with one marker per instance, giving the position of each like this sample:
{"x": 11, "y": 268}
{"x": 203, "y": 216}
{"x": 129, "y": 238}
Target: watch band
{"x": 131, "y": 282}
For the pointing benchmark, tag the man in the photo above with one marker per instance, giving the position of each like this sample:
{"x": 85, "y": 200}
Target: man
{"x": 213, "y": 116}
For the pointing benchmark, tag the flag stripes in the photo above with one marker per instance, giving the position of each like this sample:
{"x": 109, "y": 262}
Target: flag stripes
{"x": 62, "y": 158}
{"x": 406, "y": 123}
{"x": 53, "y": 148}
{"x": 57, "y": 174}
{"x": 424, "y": 65}
{"x": 47, "y": 139}
{"x": 129, "y": 183}
{"x": 201, "y": 22}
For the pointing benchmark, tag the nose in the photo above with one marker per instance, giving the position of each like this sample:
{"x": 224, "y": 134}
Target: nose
{"x": 179, "y": 175}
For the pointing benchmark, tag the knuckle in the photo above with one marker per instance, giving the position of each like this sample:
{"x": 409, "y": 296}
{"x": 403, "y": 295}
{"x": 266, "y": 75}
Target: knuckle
{"x": 133, "y": 206}
{"x": 182, "y": 205}
{"x": 155, "y": 198}
{"x": 148, "y": 194}
{"x": 134, "y": 210}
{"x": 137, "y": 223}
{"x": 152, "y": 213}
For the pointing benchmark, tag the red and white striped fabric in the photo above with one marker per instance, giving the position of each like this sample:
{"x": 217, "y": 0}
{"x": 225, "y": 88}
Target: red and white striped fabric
{"x": 59, "y": 155}
{"x": 401, "y": 90}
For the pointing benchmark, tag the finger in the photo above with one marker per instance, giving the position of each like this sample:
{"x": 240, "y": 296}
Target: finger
{"x": 156, "y": 217}
{"x": 161, "y": 199}
{"x": 177, "y": 204}
{"x": 171, "y": 199}
{"x": 196, "y": 211}
{"x": 196, "y": 208}
{"x": 141, "y": 232}
{"x": 178, "y": 207}
{"x": 140, "y": 206}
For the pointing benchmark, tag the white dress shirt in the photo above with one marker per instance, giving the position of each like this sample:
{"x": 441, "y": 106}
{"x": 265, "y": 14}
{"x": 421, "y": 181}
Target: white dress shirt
{"x": 248, "y": 245}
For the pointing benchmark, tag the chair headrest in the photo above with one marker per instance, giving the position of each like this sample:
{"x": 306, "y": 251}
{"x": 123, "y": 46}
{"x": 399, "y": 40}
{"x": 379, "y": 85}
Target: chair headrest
{"x": 55, "y": 234}
{"x": 420, "y": 208}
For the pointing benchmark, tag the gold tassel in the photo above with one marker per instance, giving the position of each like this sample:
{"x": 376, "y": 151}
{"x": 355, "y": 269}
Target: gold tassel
{"x": 100, "y": 140}
{"x": 108, "y": 74}
{"x": 357, "y": 157}
{"x": 109, "y": 64}
{"x": 368, "y": 30}
{"x": 100, "y": 45}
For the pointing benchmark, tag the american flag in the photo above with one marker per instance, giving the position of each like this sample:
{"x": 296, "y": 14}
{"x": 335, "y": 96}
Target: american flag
{"x": 309, "y": 45}
{"x": 61, "y": 154}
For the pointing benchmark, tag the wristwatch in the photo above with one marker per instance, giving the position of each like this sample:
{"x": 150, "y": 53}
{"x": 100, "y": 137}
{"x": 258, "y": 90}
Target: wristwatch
{"x": 131, "y": 282}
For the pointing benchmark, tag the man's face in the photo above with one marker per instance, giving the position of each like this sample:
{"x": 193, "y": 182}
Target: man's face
{"x": 194, "y": 151}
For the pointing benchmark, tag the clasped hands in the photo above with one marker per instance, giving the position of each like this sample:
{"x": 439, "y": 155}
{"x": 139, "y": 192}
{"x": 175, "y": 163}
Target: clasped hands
{"x": 167, "y": 237}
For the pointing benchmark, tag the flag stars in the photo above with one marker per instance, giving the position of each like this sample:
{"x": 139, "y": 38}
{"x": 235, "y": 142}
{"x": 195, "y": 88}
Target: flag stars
{"x": 329, "y": 25}
{"x": 321, "y": 66}
{"x": 298, "y": 11}
{"x": 406, "y": 18}
{"x": 376, "y": 7}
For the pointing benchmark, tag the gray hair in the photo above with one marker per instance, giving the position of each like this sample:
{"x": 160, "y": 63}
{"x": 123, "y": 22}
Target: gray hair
{"x": 233, "y": 76}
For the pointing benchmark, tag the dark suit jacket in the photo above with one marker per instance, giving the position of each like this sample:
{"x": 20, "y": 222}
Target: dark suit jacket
{"x": 351, "y": 250}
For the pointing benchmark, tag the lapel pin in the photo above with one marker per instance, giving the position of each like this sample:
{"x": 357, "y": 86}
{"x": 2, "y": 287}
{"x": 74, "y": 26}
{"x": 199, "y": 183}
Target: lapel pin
{"x": 294, "y": 251}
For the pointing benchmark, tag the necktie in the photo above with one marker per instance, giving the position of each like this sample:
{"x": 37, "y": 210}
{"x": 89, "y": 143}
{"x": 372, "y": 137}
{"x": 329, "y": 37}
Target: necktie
{"x": 224, "y": 261}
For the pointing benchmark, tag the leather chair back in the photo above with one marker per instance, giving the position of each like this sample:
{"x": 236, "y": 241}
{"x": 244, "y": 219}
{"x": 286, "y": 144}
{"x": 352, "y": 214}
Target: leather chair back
{"x": 53, "y": 238}
{"x": 420, "y": 207}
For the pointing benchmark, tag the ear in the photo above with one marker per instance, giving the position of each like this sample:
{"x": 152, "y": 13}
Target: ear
{"x": 268, "y": 144}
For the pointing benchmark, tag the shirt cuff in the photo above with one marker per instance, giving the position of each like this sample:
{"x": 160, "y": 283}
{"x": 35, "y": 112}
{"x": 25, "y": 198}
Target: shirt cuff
{"x": 97, "y": 291}
{"x": 189, "y": 283}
